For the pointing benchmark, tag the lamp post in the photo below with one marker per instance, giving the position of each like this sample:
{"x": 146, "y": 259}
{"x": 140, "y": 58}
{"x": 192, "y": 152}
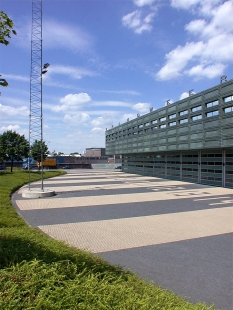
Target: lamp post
{"x": 43, "y": 71}
{"x": 35, "y": 116}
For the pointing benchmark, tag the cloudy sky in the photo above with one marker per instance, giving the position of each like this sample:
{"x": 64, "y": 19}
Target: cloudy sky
{"x": 112, "y": 59}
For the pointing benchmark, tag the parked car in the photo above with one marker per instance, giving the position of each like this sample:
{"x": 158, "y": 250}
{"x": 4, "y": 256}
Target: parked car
{"x": 118, "y": 167}
{"x": 2, "y": 167}
{"x": 67, "y": 167}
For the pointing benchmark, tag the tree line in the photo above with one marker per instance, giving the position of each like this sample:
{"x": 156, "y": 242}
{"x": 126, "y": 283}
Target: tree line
{"x": 6, "y": 29}
{"x": 14, "y": 146}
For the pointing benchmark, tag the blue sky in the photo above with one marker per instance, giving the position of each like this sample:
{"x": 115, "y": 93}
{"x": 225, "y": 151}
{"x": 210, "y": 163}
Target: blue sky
{"x": 112, "y": 59}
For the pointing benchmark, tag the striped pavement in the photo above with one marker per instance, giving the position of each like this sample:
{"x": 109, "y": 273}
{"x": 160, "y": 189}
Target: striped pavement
{"x": 175, "y": 233}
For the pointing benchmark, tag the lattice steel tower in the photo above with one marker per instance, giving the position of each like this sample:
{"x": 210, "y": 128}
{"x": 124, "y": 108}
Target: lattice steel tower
{"x": 36, "y": 113}
{"x": 35, "y": 126}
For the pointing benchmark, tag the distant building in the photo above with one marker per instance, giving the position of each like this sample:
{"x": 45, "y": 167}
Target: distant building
{"x": 95, "y": 152}
{"x": 189, "y": 140}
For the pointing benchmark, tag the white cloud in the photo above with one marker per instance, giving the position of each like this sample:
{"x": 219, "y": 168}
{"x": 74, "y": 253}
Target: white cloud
{"x": 210, "y": 72}
{"x": 219, "y": 49}
{"x": 220, "y": 23}
{"x": 57, "y": 34}
{"x": 137, "y": 22}
{"x": 222, "y": 16}
{"x": 112, "y": 103}
{"x": 121, "y": 92}
{"x": 196, "y": 26}
{"x": 75, "y": 99}
{"x": 149, "y": 18}
{"x": 141, "y": 3}
{"x": 188, "y": 4}
{"x": 209, "y": 55}
{"x": 178, "y": 58}
{"x": 97, "y": 129}
{"x": 78, "y": 119}
{"x": 132, "y": 20}
{"x": 16, "y": 77}
{"x": 127, "y": 116}
{"x": 73, "y": 72}
{"x": 12, "y": 111}
{"x": 142, "y": 107}
{"x": 16, "y": 101}
{"x": 104, "y": 121}
{"x": 144, "y": 27}
{"x": 10, "y": 127}
{"x": 184, "y": 95}
{"x": 72, "y": 101}
{"x": 184, "y": 4}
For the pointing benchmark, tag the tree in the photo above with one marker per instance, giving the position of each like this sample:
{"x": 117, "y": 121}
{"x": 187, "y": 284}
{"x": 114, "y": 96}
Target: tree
{"x": 6, "y": 28}
{"x": 36, "y": 149}
{"x": 13, "y": 146}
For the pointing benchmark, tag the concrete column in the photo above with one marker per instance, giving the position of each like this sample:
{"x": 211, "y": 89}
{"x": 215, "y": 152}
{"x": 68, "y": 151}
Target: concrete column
{"x": 199, "y": 166}
{"x": 223, "y": 168}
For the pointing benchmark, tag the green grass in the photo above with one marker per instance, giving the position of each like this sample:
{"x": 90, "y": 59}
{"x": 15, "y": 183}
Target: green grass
{"x": 37, "y": 272}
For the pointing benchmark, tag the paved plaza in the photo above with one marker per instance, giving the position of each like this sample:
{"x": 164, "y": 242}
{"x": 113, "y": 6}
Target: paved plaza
{"x": 177, "y": 234}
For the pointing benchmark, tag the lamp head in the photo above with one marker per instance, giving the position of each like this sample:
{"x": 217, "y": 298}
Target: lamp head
{"x": 46, "y": 66}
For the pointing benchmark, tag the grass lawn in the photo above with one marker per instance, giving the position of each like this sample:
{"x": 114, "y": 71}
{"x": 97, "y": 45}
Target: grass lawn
{"x": 37, "y": 272}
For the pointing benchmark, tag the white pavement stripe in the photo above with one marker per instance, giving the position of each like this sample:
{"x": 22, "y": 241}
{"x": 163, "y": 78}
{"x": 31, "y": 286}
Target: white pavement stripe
{"x": 90, "y": 180}
{"x": 223, "y": 202}
{"x": 99, "y": 186}
{"x": 214, "y": 198}
{"x": 101, "y": 200}
{"x": 91, "y": 187}
{"x": 77, "y": 181}
{"x": 112, "y": 235}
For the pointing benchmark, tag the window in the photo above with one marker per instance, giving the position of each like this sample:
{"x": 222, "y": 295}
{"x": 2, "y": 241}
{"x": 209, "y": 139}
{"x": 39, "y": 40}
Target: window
{"x": 162, "y": 119}
{"x": 198, "y": 108}
{"x": 162, "y": 126}
{"x": 154, "y": 122}
{"x": 135, "y": 133}
{"x": 154, "y": 128}
{"x": 196, "y": 117}
{"x": 227, "y": 99}
{"x": 172, "y": 124}
{"x": 183, "y": 121}
{"x": 140, "y": 126}
{"x": 172, "y": 116}
{"x": 140, "y": 132}
{"x": 147, "y": 130}
{"x": 212, "y": 104}
{"x": 183, "y": 112}
{"x": 228, "y": 110}
{"x": 212, "y": 113}
{"x": 147, "y": 124}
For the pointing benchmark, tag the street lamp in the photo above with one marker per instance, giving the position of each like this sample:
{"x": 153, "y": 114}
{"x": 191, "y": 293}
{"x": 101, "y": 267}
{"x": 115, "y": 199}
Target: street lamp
{"x": 43, "y": 71}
